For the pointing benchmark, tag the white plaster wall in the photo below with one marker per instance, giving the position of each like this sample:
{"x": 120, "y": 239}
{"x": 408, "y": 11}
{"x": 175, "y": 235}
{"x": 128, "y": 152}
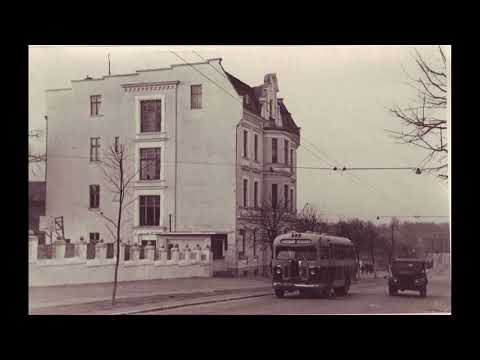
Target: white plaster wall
{"x": 76, "y": 271}
{"x": 205, "y": 178}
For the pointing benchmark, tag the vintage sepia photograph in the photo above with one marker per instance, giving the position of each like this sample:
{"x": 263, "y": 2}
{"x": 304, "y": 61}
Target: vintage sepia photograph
{"x": 239, "y": 180}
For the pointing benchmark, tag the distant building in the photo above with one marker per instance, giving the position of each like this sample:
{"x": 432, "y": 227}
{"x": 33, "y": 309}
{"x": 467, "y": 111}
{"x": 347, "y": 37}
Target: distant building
{"x": 206, "y": 154}
{"x": 36, "y": 203}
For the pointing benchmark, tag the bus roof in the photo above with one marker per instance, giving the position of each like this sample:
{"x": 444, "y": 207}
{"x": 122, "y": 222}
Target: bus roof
{"x": 323, "y": 239}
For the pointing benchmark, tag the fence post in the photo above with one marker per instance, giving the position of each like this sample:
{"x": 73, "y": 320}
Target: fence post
{"x": 32, "y": 247}
{"x": 121, "y": 254}
{"x": 150, "y": 252}
{"x": 206, "y": 252}
{"x": 162, "y": 254}
{"x": 134, "y": 252}
{"x": 186, "y": 251}
{"x": 82, "y": 250}
{"x": 198, "y": 253}
{"x": 59, "y": 248}
{"x": 100, "y": 251}
{"x": 175, "y": 255}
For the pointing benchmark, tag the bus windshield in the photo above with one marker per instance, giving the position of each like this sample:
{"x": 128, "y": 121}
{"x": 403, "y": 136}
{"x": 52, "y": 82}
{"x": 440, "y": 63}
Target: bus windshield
{"x": 296, "y": 253}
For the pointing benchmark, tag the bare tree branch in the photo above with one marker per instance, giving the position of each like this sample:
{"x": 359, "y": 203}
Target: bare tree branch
{"x": 422, "y": 122}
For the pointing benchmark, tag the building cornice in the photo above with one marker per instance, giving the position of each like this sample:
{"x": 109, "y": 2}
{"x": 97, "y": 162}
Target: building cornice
{"x": 64, "y": 89}
{"x": 137, "y": 87}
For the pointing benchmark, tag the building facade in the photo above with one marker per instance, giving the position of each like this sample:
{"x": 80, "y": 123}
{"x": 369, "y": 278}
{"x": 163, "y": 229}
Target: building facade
{"x": 205, "y": 151}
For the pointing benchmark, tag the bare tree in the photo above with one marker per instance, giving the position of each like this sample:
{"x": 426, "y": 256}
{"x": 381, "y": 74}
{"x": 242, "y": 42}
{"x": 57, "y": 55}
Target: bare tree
{"x": 424, "y": 122}
{"x": 118, "y": 173}
{"x": 274, "y": 216}
{"x": 309, "y": 219}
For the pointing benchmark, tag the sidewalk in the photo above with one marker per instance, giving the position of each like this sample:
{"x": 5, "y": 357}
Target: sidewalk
{"x": 92, "y": 298}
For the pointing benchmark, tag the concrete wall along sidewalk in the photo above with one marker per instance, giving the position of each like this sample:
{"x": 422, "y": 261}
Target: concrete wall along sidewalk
{"x": 182, "y": 263}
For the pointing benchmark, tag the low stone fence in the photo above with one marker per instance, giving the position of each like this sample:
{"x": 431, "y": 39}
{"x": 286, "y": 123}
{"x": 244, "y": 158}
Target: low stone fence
{"x": 158, "y": 263}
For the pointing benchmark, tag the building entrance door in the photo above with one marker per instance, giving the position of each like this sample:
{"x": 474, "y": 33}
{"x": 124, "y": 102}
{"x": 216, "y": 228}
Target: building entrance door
{"x": 219, "y": 246}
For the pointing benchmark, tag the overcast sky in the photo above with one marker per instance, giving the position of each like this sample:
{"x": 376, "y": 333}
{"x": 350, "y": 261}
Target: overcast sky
{"x": 338, "y": 95}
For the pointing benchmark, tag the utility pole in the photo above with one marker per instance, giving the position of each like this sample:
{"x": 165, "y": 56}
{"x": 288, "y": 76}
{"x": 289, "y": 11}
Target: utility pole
{"x": 108, "y": 64}
{"x": 46, "y": 159}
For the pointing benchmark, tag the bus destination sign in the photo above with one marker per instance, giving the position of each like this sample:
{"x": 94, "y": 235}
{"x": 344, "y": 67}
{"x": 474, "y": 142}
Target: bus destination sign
{"x": 296, "y": 241}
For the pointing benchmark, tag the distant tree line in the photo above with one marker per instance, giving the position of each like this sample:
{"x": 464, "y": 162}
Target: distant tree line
{"x": 373, "y": 242}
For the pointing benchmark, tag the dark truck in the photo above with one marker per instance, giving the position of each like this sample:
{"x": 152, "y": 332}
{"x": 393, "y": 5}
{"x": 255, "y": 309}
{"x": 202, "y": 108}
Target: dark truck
{"x": 408, "y": 274}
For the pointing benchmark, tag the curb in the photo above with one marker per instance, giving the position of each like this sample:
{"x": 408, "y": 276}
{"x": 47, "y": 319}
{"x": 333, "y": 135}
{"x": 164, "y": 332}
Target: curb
{"x": 197, "y": 294}
{"x": 174, "y": 306}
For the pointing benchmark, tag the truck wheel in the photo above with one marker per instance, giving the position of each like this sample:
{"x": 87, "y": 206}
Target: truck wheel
{"x": 343, "y": 291}
{"x": 279, "y": 293}
{"x": 392, "y": 291}
{"x": 423, "y": 292}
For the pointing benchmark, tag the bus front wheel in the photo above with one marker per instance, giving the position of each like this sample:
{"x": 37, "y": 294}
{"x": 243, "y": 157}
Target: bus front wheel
{"x": 279, "y": 293}
{"x": 343, "y": 291}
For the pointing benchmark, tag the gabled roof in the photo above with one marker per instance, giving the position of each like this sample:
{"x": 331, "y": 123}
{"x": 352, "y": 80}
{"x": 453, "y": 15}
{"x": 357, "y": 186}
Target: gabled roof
{"x": 253, "y": 105}
{"x": 287, "y": 119}
{"x": 243, "y": 89}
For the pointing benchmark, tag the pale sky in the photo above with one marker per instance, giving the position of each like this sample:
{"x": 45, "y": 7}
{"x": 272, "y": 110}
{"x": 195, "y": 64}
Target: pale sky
{"x": 338, "y": 95}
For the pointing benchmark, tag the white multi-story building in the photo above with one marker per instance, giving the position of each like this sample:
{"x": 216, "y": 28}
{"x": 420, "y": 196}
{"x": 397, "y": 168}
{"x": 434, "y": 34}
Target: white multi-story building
{"x": 206, "y": 150}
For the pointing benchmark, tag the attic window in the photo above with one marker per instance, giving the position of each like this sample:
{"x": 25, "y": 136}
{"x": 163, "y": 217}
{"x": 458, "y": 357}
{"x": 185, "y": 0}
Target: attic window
{"x": 246, "y": 99}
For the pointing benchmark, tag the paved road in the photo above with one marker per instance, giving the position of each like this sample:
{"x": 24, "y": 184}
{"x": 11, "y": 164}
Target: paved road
{"x": 367, "y": 298}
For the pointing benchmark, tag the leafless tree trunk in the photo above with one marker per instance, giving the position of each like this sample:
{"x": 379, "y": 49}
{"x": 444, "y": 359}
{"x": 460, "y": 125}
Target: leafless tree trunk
{"x": 274, "y": 217}
{"x": 118, "y": 176}
{"x": 424, "y": 122}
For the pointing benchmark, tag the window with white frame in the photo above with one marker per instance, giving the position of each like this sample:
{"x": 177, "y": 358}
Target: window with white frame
{"x": 94, "y": 237}
{"x": 94, "y": 149}
{"x": 95, "y": 103}
{"x": 255, "y": 194}
{"x": 245, "y": 193}
{"x": 241, "y": 253}
{"x": 274, "y": 195}
{"x": 274, "y": 150}
{"x": 196, "y": 96}
{"x": 151, "y": 115}
{"x": 94, "y": 197}
{"x": 150, "y": 162}
{"x": 285, "y": 151}
{"x": 245, "y": 144}
{"x": 149, "y": 210}
{"x": 285, "y": 196}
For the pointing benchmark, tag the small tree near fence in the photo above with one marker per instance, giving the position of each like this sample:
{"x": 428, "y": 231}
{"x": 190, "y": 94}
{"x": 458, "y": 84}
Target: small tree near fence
{"x": 118, "y": 173}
